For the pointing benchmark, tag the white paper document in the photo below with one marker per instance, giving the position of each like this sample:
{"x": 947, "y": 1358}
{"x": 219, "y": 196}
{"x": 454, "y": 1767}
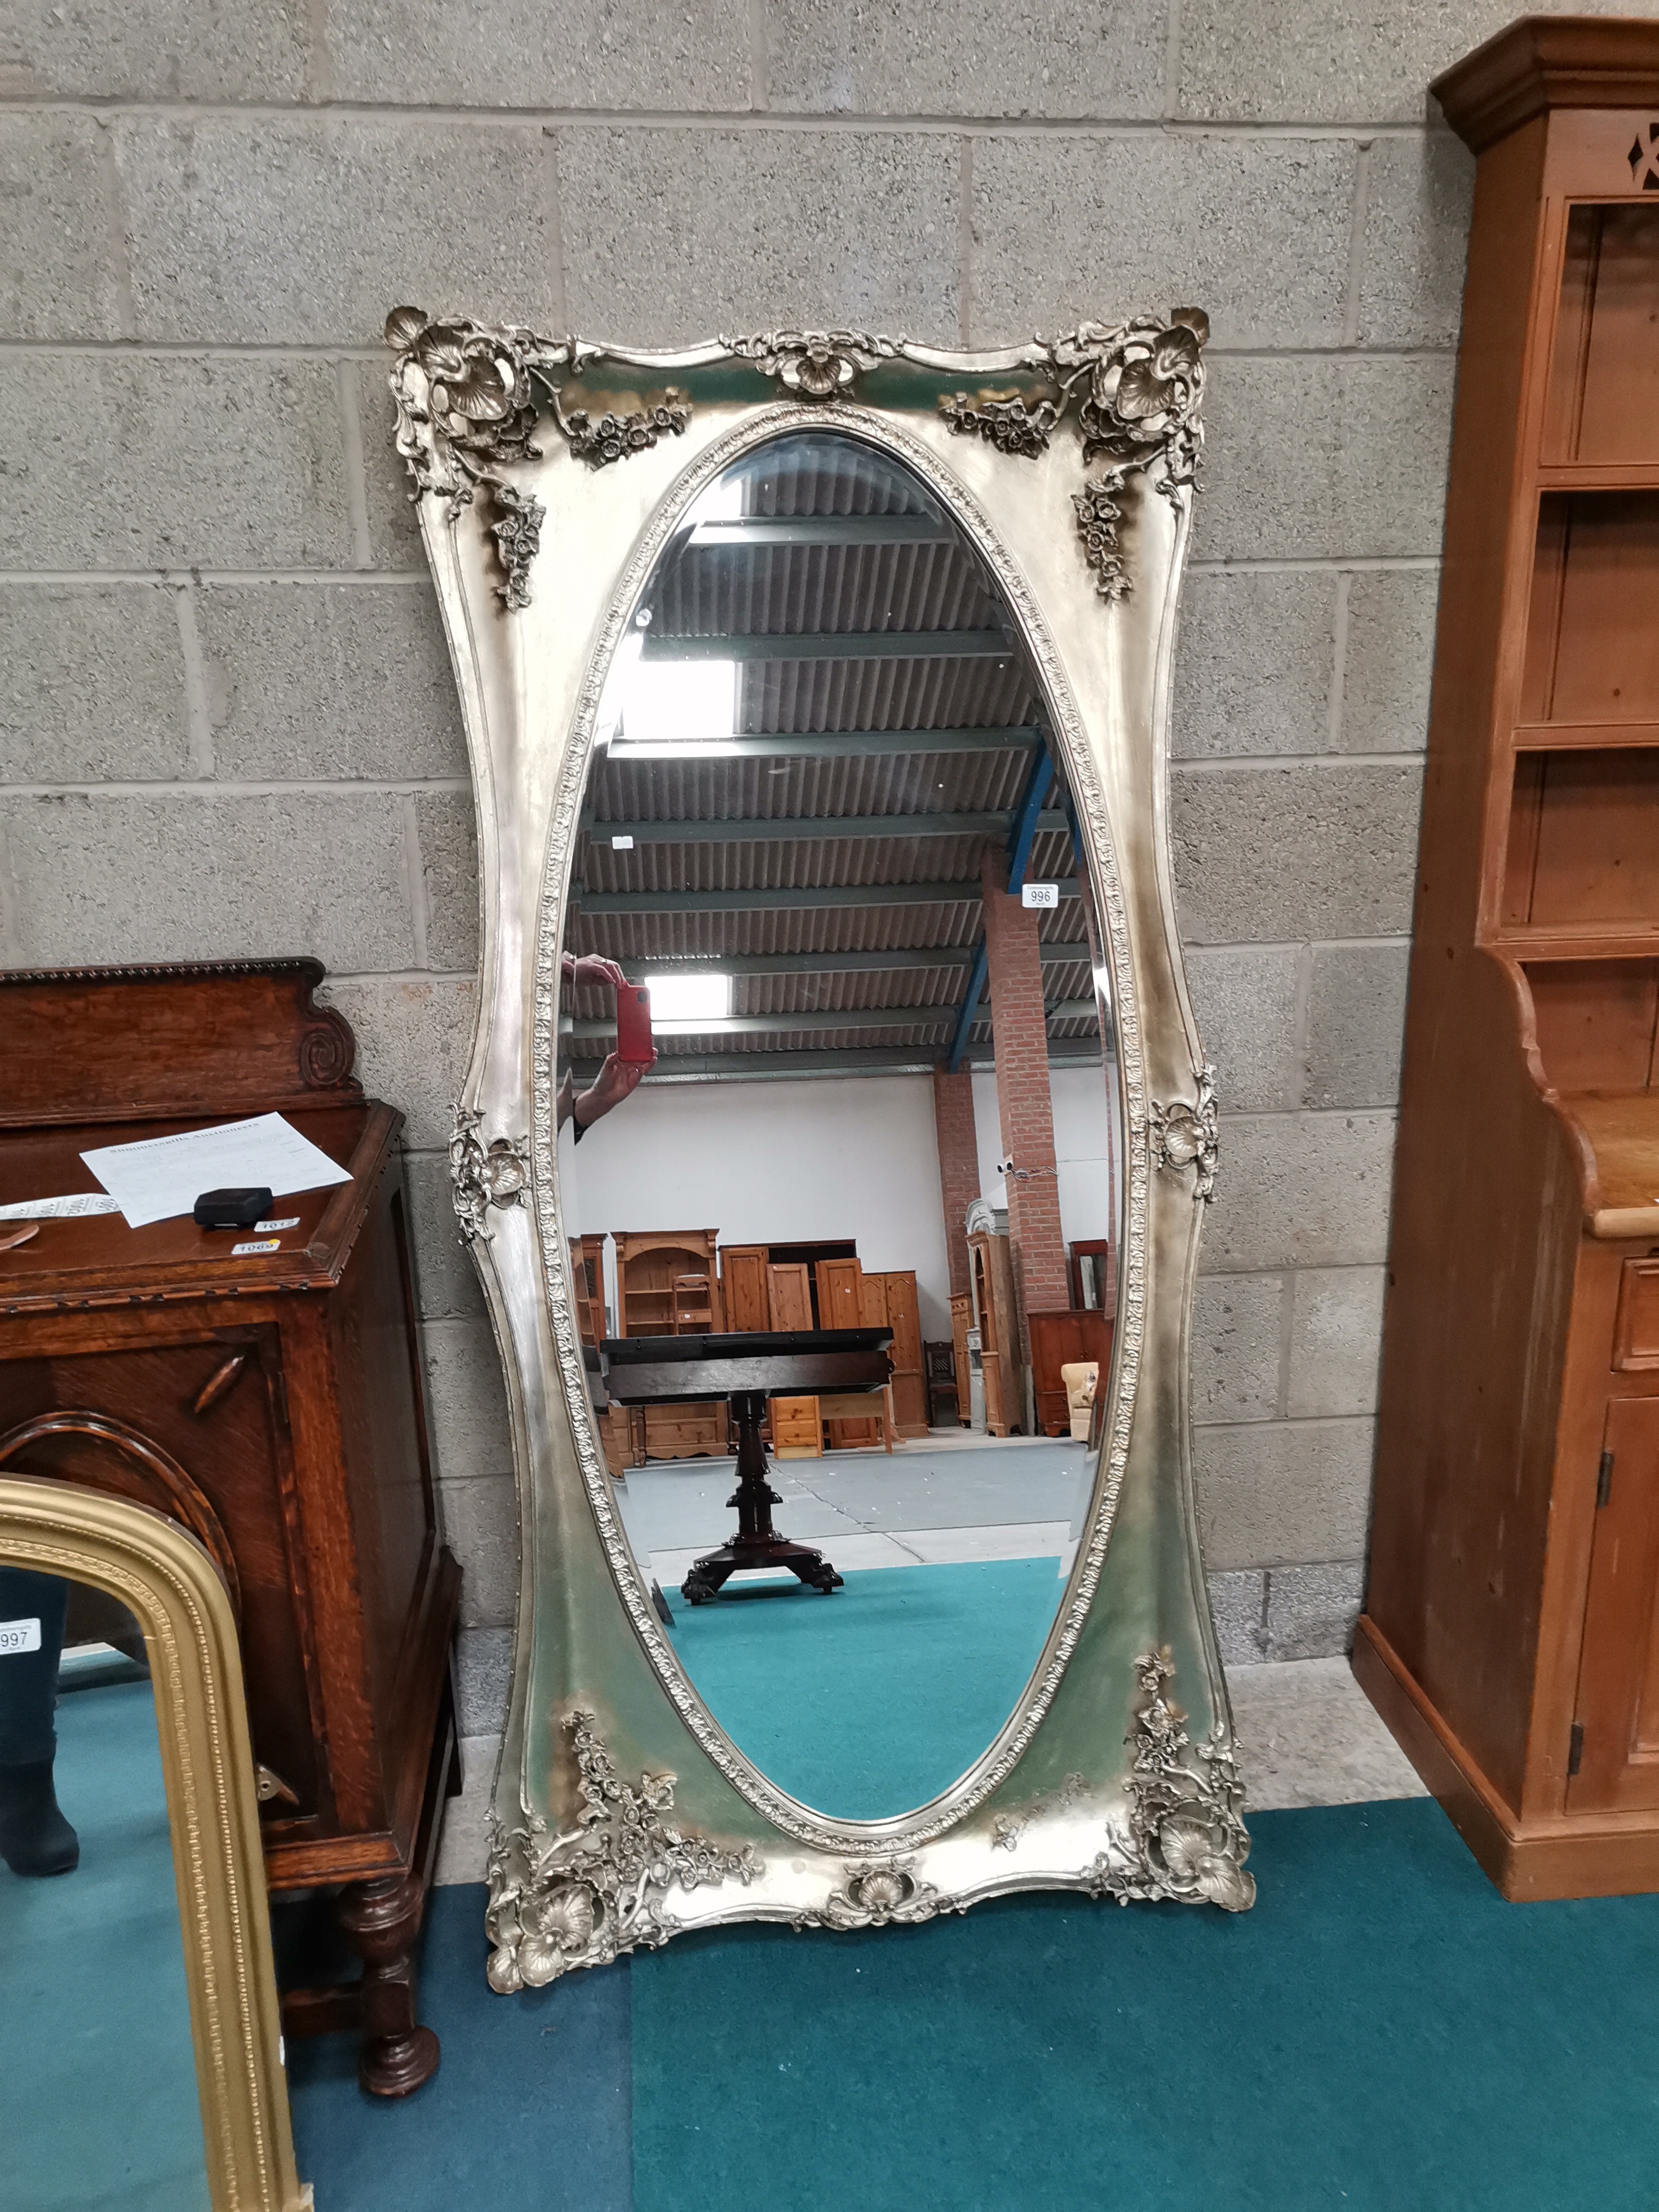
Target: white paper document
{"x": 59, "y": 1209}
{"x": 158, "y": 1178}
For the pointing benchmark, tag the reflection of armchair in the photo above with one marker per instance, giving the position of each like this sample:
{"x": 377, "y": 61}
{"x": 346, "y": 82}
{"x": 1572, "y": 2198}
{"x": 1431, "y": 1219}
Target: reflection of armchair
{"x": 1080, "y": 1377}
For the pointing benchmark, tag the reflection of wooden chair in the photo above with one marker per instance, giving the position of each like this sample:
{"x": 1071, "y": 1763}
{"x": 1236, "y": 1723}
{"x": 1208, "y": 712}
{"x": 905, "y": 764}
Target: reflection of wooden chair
{"x": 1081, "y": 1378}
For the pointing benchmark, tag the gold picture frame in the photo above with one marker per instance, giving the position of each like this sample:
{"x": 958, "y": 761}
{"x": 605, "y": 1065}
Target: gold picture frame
{"x": 162, "y": 1574}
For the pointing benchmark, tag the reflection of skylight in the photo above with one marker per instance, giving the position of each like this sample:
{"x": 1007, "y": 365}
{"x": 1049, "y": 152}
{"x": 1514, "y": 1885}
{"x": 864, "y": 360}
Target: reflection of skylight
{"x": 685, "y": 1002}
{"x": 677, "y": 702}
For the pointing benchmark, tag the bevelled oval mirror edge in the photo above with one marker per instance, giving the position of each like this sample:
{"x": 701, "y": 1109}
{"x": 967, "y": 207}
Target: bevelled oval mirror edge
{"x": 1081, "y": 454}
{"x": 741, "y": 449}
{"x": 158, "y": 1571}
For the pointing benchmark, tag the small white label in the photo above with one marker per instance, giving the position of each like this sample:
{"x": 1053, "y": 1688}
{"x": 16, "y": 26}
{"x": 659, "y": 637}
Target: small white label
{"x": 622, "y": 844}
{"x": 1039, "y": 894}
{"x": 291, "y": 1222}
{"x": 265, "y": 1244}
{"x": 17, "y": 1637}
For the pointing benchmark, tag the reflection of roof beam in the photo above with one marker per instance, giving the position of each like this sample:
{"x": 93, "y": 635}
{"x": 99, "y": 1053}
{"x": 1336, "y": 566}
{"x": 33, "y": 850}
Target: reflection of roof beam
{"x": 747, "y": 830}
{"x": 840, "y": 745}
{"x": 763, "y": 900}
{"x": 832, "y": 645}
{"x": 748, "y": 529}
{"x": 893, "y": 1060}
{"x": 823, "y": 963}
{"x": 821, "y": 1017}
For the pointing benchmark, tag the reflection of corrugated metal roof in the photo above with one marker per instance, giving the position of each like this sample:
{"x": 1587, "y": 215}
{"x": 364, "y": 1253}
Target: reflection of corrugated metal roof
{"x": 915, "y": 574}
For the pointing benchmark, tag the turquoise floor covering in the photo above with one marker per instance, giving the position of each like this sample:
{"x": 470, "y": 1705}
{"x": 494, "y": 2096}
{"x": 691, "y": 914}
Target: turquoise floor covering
{"x": 1381, "y": 2034}
{"x": 98, "y": 2102}
{"x": 873, "y": 1700}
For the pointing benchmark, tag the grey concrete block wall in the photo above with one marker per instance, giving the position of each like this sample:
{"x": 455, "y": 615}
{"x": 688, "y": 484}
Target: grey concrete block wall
{"x": 226, "y": 721}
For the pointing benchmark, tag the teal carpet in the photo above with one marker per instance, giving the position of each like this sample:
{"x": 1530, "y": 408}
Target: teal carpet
{"x": 97, "y": 2069}
{"x": 809, "y": 1685}
{"x": 1381, "y": 2034}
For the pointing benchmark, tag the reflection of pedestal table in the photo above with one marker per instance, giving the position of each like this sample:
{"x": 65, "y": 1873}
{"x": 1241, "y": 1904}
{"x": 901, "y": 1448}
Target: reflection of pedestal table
{"x": 746, "y": 1367}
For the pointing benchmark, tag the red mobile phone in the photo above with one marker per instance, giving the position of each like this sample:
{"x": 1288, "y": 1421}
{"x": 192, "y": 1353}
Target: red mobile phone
{"x": 633, "y": 1045}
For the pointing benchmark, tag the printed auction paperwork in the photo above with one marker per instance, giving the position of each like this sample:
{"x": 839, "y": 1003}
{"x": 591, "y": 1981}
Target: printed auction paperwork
{"x": 159, "y": 1176}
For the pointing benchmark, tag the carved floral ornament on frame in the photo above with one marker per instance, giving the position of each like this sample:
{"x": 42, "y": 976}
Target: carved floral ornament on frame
{"x": 475, "y": 407}
{"x": 470, "y": 402}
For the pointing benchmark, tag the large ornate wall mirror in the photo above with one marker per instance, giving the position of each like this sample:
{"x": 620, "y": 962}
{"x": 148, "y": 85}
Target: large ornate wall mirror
{"x": 141, "y": 2065}
{"x": 818, "y": 685}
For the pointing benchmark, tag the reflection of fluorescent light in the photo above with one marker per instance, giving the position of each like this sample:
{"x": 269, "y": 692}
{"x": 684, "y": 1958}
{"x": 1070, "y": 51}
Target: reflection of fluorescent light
{"x": 678, "y": 702}
{"x": 1103, "y": 983}
{"x": 684, "y": 1002}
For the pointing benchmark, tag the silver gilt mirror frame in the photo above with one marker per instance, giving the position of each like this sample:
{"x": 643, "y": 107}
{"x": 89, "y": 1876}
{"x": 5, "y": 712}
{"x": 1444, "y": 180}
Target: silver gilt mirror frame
{"x": 548, "y": 476}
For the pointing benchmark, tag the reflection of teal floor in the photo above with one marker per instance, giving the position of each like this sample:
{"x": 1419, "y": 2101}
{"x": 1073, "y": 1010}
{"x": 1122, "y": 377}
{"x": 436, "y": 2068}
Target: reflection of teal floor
{"x": 872, "y": 1701}
{"x": 97, "y": 2103}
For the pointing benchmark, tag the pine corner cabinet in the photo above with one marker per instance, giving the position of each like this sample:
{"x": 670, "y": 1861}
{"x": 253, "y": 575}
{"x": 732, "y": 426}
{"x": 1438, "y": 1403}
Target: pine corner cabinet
{"x": 1511, "y": 1637}
{"x": 272, "y": 1402}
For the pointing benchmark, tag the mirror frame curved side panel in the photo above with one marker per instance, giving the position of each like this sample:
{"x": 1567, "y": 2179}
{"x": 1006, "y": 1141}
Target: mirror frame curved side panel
{"x": 159, "y": 1570}
{"x": 548, "y": 474}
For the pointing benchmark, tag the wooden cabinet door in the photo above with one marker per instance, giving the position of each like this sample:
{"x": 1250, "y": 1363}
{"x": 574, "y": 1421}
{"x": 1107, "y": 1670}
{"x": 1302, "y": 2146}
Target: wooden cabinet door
{"x": 961, "y": 1320}
{"x": 845, "y": 1434}
{"x": 909, "y": 1381}
{"x": 839, "y": 1302}
{"x": 789, "y": 1292}
{"x": 1618, "y": 1670}
{"x": 743, "y": 1280}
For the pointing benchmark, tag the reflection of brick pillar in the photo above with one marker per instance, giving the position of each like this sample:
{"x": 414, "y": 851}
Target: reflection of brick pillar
{"x": 1020, "y": 1035}
{"x": 958, "y": 1164}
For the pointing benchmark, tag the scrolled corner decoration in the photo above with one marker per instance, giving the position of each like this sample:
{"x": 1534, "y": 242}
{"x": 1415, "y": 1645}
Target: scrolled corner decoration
{"x": 469, "y": 400}
{"x": 1185, "y": 1839}
{"x": 1138, "y": 390}
{"x": 482, "y": 1177}
{"x": 814, "y": 364}
{"x": 887, "y": 1894}
{"x": 584, "y": 1897}
{"x": 1183, "y": 1136}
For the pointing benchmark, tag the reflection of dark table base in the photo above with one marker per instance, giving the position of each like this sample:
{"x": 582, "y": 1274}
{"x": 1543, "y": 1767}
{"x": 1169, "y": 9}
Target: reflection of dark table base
{"x": 757, "y": 1543}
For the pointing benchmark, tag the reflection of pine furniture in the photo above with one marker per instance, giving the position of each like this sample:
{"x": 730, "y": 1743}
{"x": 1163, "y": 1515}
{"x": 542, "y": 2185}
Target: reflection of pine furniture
{"x": 961, "y": 1320}
{"x": 996, "y": 1316}
{"x": 1511, "y": 1631}
{"x": 1079, "y": 1336}
{"x": 272, "y": 1404}
{"x": 789, "y": 1294}
{"x": 666, "y": 1285}
{"x": 746, "y": 1370}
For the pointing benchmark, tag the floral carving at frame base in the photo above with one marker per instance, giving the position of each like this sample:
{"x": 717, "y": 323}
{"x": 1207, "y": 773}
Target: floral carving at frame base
{"x": 583, "y": 1898}
{"x": 1185, "y": 1840}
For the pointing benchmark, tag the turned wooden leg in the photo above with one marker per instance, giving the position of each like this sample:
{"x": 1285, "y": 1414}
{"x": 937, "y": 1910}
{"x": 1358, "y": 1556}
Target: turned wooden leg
{"x": 381, "y": 1920}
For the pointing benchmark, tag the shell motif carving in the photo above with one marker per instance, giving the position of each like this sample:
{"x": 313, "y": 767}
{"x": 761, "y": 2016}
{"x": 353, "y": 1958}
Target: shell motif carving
{"x": 481, "y": 1177}
{"x": 1136, "y": 391}
{"x": 469, "y": 401}
{"x": 883, "y": 1894}
{"x": 1183, "y": 1136}
{"x": 583, "y": 1898}
{"x": 1185, "y": 1839}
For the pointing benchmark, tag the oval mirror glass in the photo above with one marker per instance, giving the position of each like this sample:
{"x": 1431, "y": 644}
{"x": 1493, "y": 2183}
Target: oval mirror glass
{"x": 839, "y": 1160}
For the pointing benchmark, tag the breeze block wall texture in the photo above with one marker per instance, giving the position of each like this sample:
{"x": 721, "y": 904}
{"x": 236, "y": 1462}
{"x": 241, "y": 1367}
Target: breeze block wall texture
{"x": 226, "y": 723}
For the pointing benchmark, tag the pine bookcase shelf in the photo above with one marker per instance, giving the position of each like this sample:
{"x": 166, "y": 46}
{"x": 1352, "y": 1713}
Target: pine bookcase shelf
{"x": 1511, "y": 1636}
